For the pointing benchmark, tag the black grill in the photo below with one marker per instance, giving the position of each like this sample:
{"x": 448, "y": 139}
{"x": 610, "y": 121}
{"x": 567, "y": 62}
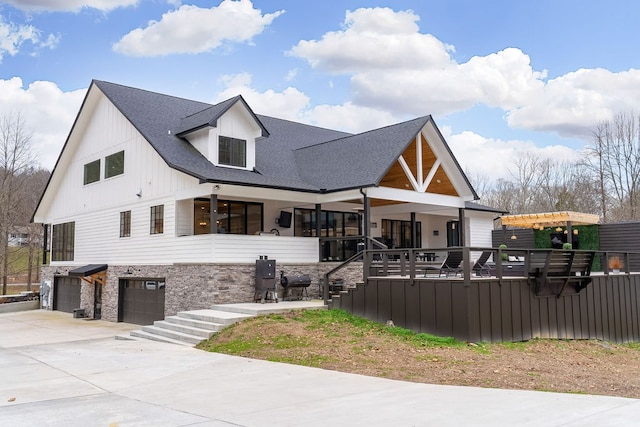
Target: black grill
{"x": 265, "y": 280}
{"x": 295, "y": 285}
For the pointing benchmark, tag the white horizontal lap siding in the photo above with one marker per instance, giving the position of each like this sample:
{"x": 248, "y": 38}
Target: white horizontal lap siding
{"x": 232, "y": 248}
{"x": 480, "y": 229}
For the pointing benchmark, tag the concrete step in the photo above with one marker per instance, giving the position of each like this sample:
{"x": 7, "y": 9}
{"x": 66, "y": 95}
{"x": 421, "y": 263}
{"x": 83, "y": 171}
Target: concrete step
{"x": 253, "y": 309}
{"x": 198, "y": 332}
{"x": 175, "y": 335}
{"x": 195, "y": 323}
{"x": 153, "y": 337}
{"x": 222, "y": 316}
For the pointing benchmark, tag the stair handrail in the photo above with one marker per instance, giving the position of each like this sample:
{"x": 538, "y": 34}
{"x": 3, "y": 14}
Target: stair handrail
{"x": 356, "y": 256}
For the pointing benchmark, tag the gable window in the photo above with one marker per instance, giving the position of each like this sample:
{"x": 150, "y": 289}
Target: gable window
{"x": 157, "y": 219}
{"x": 92, "y": 172}
{"x": 114, "y": 164}
{"x": 62, "y": 241}
{"x": 125, "y": 224}
{"x": 232, "y": 151}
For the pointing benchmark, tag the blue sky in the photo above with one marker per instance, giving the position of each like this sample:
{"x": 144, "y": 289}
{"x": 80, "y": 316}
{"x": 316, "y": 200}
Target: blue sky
{"x": 500, "y": 77}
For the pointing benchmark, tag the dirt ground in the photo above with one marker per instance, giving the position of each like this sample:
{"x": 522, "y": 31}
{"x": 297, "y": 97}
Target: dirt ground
{"x": 590, "y": 367}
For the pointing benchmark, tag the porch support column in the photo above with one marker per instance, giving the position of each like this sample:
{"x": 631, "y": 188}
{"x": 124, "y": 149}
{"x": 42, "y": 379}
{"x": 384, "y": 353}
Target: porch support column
{"x": 319, "y": 230}
{"x": 366, "y": 229}
{"x": 569, "y": 233}
{"x": 213, "y": 214}
{"x": 461, "y": 222}
{"x": 414, "y": 231}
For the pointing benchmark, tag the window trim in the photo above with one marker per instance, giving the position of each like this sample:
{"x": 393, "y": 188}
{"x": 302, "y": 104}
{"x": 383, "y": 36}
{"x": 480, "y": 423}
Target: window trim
{"x": 233, "y": 151}
{"x": 156, "y": 223}
{"x": 86, "y": 175}
{"x": 108, "y": 168}
{"x": 63, "y": 241}
{"x": 125, "y": 223}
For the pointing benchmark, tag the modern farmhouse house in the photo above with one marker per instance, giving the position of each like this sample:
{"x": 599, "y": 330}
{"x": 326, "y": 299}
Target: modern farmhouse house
{"x": 159, "y": 204}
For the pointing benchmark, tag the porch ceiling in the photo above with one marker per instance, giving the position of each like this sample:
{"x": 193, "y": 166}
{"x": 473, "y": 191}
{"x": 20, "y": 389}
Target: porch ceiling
{"x": 549, "y": 219}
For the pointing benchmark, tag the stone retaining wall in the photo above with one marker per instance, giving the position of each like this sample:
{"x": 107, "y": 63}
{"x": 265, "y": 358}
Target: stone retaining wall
{"x": 199, "y": 286}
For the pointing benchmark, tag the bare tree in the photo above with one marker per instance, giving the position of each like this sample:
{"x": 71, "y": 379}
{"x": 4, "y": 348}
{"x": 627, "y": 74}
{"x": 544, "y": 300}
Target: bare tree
{"x": 614, "y": 158}
{"x": 16, "y": 160}
{"x": 526, "y": 176}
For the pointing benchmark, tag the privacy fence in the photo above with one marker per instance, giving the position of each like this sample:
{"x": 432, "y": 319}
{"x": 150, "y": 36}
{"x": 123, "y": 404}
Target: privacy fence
{"x": 493, "y": 309}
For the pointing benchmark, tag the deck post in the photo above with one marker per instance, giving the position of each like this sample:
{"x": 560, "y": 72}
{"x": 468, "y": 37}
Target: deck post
{"x": 367, "y": 220}
{"x": 462, "y": 227}
{"x": 213, "y": 214}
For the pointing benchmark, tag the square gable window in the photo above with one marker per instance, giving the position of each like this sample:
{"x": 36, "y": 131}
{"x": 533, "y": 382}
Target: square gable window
{"x": 232, "y": 151}
{"x": 114, "y": 164}
{"x": 92, "y": 172}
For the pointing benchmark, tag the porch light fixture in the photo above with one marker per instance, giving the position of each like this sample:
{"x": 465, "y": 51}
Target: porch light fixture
{"x": 575, "y": 231}
{"x": 513, "y": 235}
{"x": 216, "y": 187}
{"x": 558, "y": 229}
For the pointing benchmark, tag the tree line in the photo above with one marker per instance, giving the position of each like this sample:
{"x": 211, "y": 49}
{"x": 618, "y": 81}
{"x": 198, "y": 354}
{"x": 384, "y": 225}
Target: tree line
{"x": 21, "y": 184}
{"x": 604, "y": 181}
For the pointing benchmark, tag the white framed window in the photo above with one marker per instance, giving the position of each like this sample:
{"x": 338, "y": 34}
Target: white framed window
{"x": 232, "y": 151}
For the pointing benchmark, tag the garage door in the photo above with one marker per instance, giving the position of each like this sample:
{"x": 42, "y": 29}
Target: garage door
{"x": 66, "y": 294}
{"x": 141, "y": 301}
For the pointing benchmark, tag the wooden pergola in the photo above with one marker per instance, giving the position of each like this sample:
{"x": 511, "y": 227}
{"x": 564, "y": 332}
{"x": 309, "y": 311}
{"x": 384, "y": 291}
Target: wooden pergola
{"x": 550, "y": 219}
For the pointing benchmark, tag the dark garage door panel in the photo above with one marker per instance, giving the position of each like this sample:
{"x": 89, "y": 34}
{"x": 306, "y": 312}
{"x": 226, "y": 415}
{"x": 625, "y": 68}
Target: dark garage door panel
{"x": 141, "y": 303}
{"x": 66, "y": 294}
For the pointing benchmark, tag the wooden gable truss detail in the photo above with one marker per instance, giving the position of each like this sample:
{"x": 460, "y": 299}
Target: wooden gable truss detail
{"x": 419, "y": 169}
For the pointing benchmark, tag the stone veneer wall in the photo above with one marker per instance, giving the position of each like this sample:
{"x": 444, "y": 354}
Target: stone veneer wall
{"x": 199, "y": 286}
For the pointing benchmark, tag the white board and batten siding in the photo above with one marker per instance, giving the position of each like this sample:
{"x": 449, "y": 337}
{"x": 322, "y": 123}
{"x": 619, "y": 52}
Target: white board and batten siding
{"x": 95, "y": 208}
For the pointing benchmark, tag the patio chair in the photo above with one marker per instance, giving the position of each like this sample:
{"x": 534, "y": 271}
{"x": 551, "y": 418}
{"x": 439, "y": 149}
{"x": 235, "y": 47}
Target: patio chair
{"x": 451, "y": 264}
{"x": 480, "y": 267}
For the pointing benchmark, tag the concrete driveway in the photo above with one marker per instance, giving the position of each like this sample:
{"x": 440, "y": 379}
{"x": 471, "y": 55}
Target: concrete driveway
{"x": 60, "y": 371}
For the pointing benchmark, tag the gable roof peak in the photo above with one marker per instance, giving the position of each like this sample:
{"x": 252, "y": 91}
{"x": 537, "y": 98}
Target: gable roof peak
{"x": 208, "y": 117}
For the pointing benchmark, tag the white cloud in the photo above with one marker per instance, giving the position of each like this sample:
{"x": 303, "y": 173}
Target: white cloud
{"x": 348, "y": 117}
{"x": 69, "y": 5}
{"x": 48, "y": 113}
{"x": 191, "y": 29}
{"x": 12, "y": 37}
{"x": 287, "y": 104}
{"x": 479, "y": 155}
{"x": 573, "y": 103}
{"x": 395, "y": 67}
{"x": 291, "y": 104}
{"x": 375, "y": 39}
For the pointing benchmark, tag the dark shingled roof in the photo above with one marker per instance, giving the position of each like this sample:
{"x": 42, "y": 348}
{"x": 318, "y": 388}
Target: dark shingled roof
{"x": 290, "y": 155}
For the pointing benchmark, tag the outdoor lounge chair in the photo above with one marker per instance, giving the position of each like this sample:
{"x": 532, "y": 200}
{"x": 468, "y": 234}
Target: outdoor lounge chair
{"x": 480, "y": 267}
{"x": 450, "y": 265}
